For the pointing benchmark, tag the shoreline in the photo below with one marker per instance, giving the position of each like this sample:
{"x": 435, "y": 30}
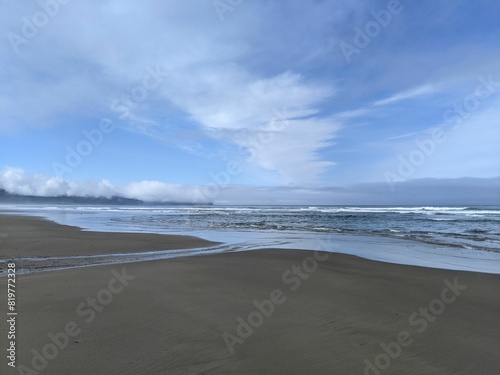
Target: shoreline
{"x": 127, "y": 247}
{"x": 34, "y": 236}
{"x": 38, "y": 244}
{"x": 256, "y": 312}
{"x": 252, "y": 312}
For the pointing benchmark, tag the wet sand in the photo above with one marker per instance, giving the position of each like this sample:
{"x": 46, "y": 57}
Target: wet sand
{"x": 25, "y": 236}
{"x": 259, "y": 312}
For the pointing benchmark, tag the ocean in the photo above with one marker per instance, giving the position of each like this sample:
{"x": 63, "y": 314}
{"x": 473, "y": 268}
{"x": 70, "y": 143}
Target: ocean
{"x": 466, "y": 238}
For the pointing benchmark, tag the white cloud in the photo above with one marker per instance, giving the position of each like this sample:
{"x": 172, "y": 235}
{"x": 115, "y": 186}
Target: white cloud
{"x": 207, "y": 77}
{"x": 408, "y": 94}
{"x": 16, "y": 181}
{"x": 242, "y": 110}
{"x": 292, "y": 150}
{"x": 420, "y": 191}
{"x": 228, "y": 79}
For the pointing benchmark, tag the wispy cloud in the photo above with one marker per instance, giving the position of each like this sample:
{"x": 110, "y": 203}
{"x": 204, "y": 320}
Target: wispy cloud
{"x": 224, "y": 83}
{"x": 242, "y": 110}
{"x": 209, "y": 82}
{"x": 406, "y": 135}
{"x": 405, "y": 95}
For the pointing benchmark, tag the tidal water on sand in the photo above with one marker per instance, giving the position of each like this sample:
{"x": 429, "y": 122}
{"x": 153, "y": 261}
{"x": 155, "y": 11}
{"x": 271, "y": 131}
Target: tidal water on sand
{"x": 465, "y": 238}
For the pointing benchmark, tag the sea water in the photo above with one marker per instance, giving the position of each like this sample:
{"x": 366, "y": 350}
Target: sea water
{"x": 465, "y": 238}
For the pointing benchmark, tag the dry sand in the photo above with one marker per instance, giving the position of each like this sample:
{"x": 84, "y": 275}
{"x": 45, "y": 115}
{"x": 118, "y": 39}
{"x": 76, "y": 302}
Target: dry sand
{"x": 170, "y": 316}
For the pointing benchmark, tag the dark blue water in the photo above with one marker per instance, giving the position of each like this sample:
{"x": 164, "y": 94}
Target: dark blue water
{"x": 461, "y": 227}
{"x": 458, "y": 238}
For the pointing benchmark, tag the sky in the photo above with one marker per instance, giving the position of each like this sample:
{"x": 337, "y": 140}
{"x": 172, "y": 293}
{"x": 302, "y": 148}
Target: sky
{"x": 238, "y": 101}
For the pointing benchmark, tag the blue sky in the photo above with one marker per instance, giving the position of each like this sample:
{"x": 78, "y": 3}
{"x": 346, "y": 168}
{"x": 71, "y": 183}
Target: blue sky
{"x": 275, "y": 95}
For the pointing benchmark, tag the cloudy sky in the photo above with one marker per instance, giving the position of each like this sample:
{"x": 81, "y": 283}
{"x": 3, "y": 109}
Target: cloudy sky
{"x": 251, "y": 101}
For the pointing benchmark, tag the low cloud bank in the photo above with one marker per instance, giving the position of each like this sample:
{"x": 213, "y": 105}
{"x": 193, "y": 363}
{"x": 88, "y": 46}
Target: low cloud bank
{"x": 461, "y": 191}
{"x": 16, "y": 181}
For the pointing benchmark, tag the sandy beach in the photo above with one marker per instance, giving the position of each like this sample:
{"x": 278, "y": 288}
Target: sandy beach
{"x": 261, "y": 312}
{"x": 25, "y": 236}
